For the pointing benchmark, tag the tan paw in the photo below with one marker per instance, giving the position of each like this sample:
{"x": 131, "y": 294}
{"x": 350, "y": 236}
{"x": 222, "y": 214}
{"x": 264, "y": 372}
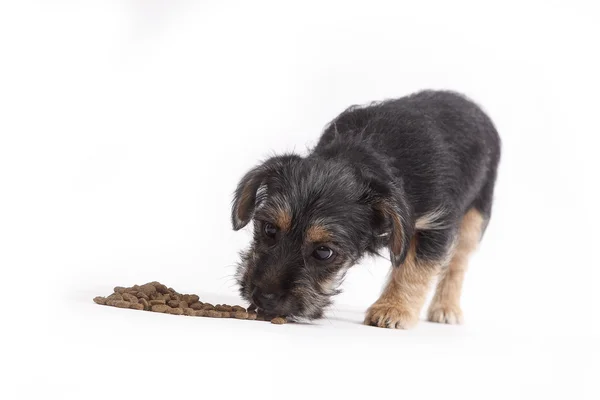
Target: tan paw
{"x": 445, "y": 314}
{"x": 390, "y": 316}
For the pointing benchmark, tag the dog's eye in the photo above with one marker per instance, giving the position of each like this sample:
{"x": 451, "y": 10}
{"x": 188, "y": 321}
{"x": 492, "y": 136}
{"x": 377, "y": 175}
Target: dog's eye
{"x": 269, "y": 229}
{"x": 322, "y": 253}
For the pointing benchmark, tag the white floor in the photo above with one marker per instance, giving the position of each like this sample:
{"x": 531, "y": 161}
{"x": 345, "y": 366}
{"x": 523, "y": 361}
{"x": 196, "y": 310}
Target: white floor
{"x": 86, "y": 351}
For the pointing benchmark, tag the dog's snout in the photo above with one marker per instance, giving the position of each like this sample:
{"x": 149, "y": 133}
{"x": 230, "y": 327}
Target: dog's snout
{"x": 266, "y": 300}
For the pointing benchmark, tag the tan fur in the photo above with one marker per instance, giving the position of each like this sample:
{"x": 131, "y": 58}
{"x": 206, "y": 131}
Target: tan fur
{"x": 318, "y": 233}
{"x": 445, "y": 306}
{"x": 403, "y": 297}
{"x": 283, "y": 219}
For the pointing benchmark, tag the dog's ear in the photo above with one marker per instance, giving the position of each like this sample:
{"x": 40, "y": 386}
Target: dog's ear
{"x": 392, "y": 218}
{"x": 247, "y": 195}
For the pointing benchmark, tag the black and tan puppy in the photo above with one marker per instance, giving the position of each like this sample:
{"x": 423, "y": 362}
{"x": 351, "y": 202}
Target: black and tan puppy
{"x": 415, "y": 175}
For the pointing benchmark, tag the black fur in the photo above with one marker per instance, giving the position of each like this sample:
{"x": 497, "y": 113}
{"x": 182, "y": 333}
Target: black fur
{"x": 375, "y": 171}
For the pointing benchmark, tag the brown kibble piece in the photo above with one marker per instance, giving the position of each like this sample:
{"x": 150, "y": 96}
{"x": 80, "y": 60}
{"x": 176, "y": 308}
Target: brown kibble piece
{"x": 279, "y": 320}
{"x": 213, "y": 314}
{"x": 225, "y": 314}
{"x": 156, "y": 302}
{"x": 121, "y": 303}
{"x": 208, "y": 306}
{"x": 160, "y": 288}
{"x": 119, "y": 289}
{"x": 172, "y": 303}
{"x": 115, "y": 296}
{"x": 189, "y": 311}
{"x": 238, "y": 309}
{"x": 252, "y": 316}
{"x": 174, "y": 296}
{"x": 130, "y": 298}
{"x": 145, "y": 303}
{"x": 142, "y": 295}
{"x": 196, "y": 306}
{"x": 100, "y": 300}
{"x": 147, "y": 289}
{"x": 193, "y": 298}
{"x": 175, "y": 311}
{"x": 160, "y": 308}
{"x": 223, "y": 307}
{"x": 183, "y": 304}
{"x": 240, "y": 315}
{"x": 201, "y": 313}
{"x": 136, "y": 306}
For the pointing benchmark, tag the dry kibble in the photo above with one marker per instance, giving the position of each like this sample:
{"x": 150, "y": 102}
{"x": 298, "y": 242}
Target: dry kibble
{"x": 175, "y": 311}
{"x": 142, "y": 295}
{"x": 155, "y": 296}
{"x": 213, "y": 314}
{"x": 100, "y": 300}
{"x": 130, "y": 298}
{"x": 145, "y": 304}
{"x": 162, "y": 289}
{"x": 160, "y": 308}
{"x": 147, "y": 289}
{"x": 121, "y": 304}
{"x": 115, "y": 296}
{"x": 279, "y": 320}
{"x": 240, "y": 315}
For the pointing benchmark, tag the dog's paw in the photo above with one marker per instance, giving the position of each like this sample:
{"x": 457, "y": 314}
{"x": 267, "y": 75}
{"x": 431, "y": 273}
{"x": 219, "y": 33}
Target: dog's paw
{"x": 445, "y": 314}
{"x": 390, "y": 316}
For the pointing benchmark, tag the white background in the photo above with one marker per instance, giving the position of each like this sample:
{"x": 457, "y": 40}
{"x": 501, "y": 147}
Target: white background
{"x": 126, "y": 125}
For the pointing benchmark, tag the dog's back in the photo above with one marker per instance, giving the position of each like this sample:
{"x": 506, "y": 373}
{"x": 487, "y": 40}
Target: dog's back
{"x": 444, "y": 148}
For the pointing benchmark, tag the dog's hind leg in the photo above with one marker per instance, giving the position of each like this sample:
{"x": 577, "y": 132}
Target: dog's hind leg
{"x": 445, "y": 305}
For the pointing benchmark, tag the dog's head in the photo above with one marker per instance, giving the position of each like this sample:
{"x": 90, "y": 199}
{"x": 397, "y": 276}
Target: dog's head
{"x": 313, "y": 219}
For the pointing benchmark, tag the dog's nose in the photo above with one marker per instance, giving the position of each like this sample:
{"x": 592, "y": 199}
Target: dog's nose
{"x": 265, "y": 300}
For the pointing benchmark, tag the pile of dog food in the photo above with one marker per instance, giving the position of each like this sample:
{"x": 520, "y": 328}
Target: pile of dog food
{"x": 154, "y": 296}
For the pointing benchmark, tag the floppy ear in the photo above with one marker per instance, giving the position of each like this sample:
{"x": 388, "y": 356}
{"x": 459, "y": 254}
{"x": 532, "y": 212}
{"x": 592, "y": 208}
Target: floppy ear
{"x": 244, "y": 200}
{"x": 393, "y": 215}
{"x": 401, "y": 231}
{"x": 247, "y": 195}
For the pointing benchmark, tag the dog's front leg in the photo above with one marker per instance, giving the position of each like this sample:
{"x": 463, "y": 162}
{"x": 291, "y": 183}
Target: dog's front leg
{"x": 400, "y": 304}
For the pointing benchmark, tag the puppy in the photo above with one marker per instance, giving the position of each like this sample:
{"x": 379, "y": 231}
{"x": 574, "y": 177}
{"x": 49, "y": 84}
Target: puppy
{"x": 414, "y": 175}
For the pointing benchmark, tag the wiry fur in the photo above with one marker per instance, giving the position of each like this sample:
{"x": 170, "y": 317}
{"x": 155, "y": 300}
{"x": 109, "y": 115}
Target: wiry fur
{"x": 399, "y": 174}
